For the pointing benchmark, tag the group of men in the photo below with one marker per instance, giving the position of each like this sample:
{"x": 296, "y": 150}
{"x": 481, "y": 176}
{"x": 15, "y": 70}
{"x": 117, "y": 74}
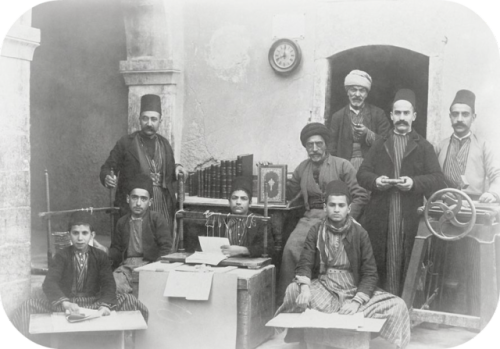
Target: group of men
{"x": 361, "y": 186}
{"x": 387, "y": 172}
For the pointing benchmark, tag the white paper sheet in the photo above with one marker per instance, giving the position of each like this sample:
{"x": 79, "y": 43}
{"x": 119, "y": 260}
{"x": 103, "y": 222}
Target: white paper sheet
{"x": 189, "y": 285}
{"x": 212, "y": 244}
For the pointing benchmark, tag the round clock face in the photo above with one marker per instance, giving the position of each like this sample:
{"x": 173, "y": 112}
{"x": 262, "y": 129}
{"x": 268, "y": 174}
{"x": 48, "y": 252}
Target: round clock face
{"x": 284, "y": 55}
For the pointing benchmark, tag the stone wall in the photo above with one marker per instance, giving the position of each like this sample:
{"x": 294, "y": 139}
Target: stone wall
{"x": 15, "y": 60}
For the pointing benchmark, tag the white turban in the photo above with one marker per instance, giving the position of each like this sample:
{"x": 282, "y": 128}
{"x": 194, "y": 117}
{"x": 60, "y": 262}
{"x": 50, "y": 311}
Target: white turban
{"x": 358, "y": 78}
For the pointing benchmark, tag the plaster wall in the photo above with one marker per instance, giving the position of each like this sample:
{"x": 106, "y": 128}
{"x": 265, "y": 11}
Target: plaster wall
{"x": 235, "y": 103}
{"x": 15, "y": 59}
{"x": 78, "y": 104}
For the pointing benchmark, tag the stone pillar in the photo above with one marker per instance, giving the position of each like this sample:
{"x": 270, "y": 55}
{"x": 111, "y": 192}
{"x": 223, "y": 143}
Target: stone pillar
{"x": 149, "y": 67}
{"x": 15, "y": 223}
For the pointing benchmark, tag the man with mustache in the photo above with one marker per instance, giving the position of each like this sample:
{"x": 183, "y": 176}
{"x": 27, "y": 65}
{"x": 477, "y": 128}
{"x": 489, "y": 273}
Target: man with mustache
{"x": 469, "y": 164}
{"x": 309, "y": 180}
{"x": 147, "y": 152}
{"x": 391, "y": 217}
{"x": 356, "y": 126}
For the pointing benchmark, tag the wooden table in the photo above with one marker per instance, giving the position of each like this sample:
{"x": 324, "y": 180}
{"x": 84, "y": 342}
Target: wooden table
{"x": 103, "y": 332}
{"x": 283, "y": 220}
{"x": 240, "y": 304}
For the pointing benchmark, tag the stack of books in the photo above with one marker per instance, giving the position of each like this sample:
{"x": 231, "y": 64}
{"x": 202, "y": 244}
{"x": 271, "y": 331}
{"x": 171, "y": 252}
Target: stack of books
{"x": 214, "y": 181}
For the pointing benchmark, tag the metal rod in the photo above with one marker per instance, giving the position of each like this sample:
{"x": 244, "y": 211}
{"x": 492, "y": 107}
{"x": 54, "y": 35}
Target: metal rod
{"x": 181, "y": 207}
{"x": 192, "y": 215}
{"x": 49, "y": 227}
{"x": 111, "y": 204}
{"x": 56, "y": 213}
{"x": 264, "y": 254}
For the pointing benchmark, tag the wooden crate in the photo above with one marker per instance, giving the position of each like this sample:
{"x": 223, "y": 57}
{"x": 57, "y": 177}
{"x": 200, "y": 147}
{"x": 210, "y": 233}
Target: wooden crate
{"x": 256, "y": 290}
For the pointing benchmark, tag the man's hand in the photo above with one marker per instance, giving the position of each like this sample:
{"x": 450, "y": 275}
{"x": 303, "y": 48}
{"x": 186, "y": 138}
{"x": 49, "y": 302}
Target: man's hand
{"x": 349, "y": 308}
{"x": 180, "y": 169}
{"x": 382, "y": 186}
{"x": 360, "y": 130}
{"x": 487, "y": 198}
{"x": 407, "y": 185}
{"x": 110, "y": 181}
{"x": 234, "y": 250}
{"x": 304, "y": 298}
{"x": 104, "y": 311}
{"x": 71, "y": 308}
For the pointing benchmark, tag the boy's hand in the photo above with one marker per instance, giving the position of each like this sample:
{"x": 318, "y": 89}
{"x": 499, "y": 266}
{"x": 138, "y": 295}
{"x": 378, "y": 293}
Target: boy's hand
{"x": 71, "y": 308}
{"x": 349, "y": 308}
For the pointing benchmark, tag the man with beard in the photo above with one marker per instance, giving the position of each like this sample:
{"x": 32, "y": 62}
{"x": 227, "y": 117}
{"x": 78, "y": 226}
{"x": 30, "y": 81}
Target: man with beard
{"x": 337, "y": 273}
{"x": 469, "y": 164}
{"x": 391, "y": 216}
{"x": 147, "y": 152}
{"x": 309, "y": 180}
{"x": 356, "y": 126}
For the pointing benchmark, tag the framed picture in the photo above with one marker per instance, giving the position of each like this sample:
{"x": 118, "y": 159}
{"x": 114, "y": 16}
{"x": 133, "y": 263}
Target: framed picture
{"x": 274, "y": 177}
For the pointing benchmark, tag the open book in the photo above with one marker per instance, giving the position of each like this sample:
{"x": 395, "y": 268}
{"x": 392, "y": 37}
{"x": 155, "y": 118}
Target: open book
{"x": 212, "y": 253}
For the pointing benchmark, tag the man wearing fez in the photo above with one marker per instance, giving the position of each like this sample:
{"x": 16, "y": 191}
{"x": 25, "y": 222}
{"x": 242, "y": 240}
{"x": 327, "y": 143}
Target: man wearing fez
{"x": 141, "y": 236}
{"x": 337, "y": 273}
{"x": 309, "y": 180}
{"x": 79, "y": 276}
{"x": 245, "y": 234}
{"x": 469, "y": 164}
{"x": 391, "y": 216}
{"x": 147, "y": 152}
{"x": 463, "y": 155}
{"x": 356, "y": 126}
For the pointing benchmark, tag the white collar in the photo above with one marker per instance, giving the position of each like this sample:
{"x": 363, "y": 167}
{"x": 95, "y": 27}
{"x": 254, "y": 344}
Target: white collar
{"x": 462, "y": 138}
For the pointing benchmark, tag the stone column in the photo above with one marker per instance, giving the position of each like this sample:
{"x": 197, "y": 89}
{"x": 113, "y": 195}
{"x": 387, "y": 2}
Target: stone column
{"x": 15, "y": 223}
{"x": 150, "y": 67}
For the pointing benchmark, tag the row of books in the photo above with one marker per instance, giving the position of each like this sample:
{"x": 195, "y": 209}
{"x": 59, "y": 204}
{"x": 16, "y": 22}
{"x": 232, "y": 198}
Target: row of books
{"x": 214, "y": 181}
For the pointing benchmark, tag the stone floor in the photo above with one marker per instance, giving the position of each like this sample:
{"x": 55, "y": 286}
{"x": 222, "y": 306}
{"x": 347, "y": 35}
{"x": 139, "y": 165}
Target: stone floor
{"x": 422, "y": 337}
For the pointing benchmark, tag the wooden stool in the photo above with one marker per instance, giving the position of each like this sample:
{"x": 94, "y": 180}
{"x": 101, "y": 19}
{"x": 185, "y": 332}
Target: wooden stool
{"x": 91, "y": 334}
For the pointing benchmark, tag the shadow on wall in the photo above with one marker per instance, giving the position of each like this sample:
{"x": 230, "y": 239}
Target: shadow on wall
{"x": 78, "y": 103}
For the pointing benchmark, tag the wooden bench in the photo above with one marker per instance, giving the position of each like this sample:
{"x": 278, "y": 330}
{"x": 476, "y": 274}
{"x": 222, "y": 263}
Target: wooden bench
{"x": 103, "y": 332}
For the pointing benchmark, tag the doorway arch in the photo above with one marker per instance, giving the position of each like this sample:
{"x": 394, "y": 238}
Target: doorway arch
{"x": 391, "y": 69}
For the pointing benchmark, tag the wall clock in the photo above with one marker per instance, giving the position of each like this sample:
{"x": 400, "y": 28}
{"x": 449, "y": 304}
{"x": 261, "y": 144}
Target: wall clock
{"x": 284, "y": 56}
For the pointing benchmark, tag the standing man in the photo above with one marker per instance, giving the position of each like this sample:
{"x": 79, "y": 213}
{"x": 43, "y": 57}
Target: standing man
{"x": 310, "y": 179}
{"x": 356, "y": 126}
{"x": 464, "y": 156}
{"x": 146, "y": 152}
{"x": 468, "y": 164}
{"x": 391, "y": 216}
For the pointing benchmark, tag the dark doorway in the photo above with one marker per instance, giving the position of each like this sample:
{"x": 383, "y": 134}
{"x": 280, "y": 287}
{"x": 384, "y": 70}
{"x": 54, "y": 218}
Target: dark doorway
{"x": 391, "y": 68}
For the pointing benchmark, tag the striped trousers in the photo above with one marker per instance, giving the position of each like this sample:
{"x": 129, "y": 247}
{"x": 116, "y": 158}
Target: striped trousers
{"x": 21, "y": 317}
{"x": 382, "y": 305}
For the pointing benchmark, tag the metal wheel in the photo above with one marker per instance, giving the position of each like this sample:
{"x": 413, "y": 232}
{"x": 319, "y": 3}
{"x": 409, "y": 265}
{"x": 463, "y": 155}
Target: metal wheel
{"x": 451, "y": 205}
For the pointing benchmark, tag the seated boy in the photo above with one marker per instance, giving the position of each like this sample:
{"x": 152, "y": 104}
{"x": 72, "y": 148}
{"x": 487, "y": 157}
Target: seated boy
{"x": 79, "y": 276}
{"x": 337, "y": 273}
{"x": 141, "y": 236}
{"x": 246, "y": 235}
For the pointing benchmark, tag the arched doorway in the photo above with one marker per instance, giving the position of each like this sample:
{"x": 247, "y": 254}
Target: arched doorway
{"x": 391, "y": 68}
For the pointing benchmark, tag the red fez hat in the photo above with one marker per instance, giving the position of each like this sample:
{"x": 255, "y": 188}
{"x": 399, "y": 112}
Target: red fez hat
{"x": 151, "y": 103}
{"x": 141, "y": 181}
{"x": 337, "y": 188}
{"x": 405, "y": 94}
{"x": 465, "y": 97}
{"x": 244, "y": 183}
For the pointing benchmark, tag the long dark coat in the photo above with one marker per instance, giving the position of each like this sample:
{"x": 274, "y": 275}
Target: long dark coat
{"x": 340, "y": 125}
{"x": 124, "y": 159}
{"x": 420, "y": 163}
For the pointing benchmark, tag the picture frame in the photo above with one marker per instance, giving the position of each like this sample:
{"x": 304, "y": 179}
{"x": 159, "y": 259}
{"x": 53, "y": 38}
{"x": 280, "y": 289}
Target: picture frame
{"x": 275, "y": 177}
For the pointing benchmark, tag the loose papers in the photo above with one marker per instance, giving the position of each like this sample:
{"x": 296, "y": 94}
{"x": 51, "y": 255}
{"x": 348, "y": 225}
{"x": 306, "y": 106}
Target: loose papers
{"x": 315, "y": 319}
{"x": 190, "y": 285}
{"x": 212, "y": 253}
